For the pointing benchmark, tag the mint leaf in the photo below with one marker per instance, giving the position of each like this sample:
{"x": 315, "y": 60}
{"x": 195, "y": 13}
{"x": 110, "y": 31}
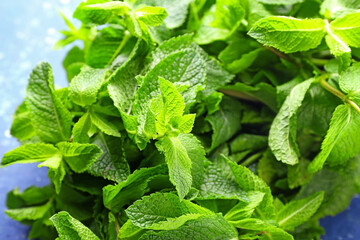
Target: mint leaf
{"x": 112, "y": 164}
{"x": 228, "y": 14}
{"x": 338, "y": 8}
{"x": 177, "y": 10}
{"x": 81, "y": 129}
{"x": 30, "y": 153}
{"x": 298, "y": 211}
{"x": 228, "y": 113}
{"x": 79, "y": 156}
{"x": 284, "y": 33}
{"x": 29, "y": 213}
{"x": 21, "y": 127}
{"x": 159, "y": 216}
{"x": 116, "y": 196}
{"x": 213, "y": 226}
{"x": 85, "y": 86}
{"x": 151, "y": 16}
{"x": 70, "y": 228}
{"x": 105, "y": 124}
{"x": 100, "y": 12}
{"x": 339, "y": 143}
{"x": 282, "y": 135}
{"x": 107, "y": 44}
{"x": 51, "y": 120}
{"x": 178, "y": 162}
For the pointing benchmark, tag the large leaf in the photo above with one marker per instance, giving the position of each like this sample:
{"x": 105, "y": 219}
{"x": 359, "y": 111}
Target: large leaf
{"x": 282, "y": 135}
{"x": 299, "y": 211}
{"x": 340, "y": 143}
{"x": 71, "y": 229}
{"x": 289, "y": 34}
{"x": 51, "y": 120}
{"x": 85, "y": 86}
{"x": 112, "y": 164}
{"x": 79, "y": 156}
{"x": 178, "y": 162}
{"x": 116, "y": 196}
{"x": 225, "y": 122}
{"x": 206, "y": 227}
{"x": 163, "y": 211}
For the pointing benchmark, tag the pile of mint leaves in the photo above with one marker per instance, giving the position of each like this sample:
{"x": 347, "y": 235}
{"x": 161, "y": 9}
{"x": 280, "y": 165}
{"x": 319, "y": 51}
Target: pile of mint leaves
{"x": 194, "y": 119}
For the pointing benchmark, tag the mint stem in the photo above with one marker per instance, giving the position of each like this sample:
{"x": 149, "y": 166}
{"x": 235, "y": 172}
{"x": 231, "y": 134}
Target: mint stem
{"x": 337, "y": 93}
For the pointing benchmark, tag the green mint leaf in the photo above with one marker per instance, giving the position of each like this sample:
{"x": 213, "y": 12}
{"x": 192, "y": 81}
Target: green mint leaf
{"x": 130, "y": 231}
{"x": 29, "y": 213}
{"x": 228, "y": 14}
{"x": 339, "y": 185}
{"x": 248, "y": 181}
{"x": 151, "y": 16}
{"x": 228, "y": 113}
{"x": 164, "y": 211}
{"x": 21, "y": 127}
{"x": 280, "y": 2}
{"x": 85, "y": 86}
{"x": 177, "y": 10}
{"x": 101, "y": 12}
{"x": 172, "y": 109}
{"x": 108, "y": 42}
{"x": 79, "y": 156}
{"x": 262, "y": 91}
{"x": 270, "y": 231}
{"x": 70, "y": 228}
{"x": 206, "y": 227}
{"x": 112, "y": 164}
{"x": 316, "y": 110}
{"x": 196, "y": 153}
{"x": 30, "y": 153}
{"x": 117, "y": 196}
{"x": 284, "y": 33}
{"x": 207, "y": 33}
{"x": 51, "y": 120}
{"x": 298, "y": 211}
{"x": 282, "y": 135}
{"x": 347, "y": 29}
{"x": 73, "y": 62}
{"x": 81, "y": 129}
{"x": 348, "y": 80}
{"x": 340, "y": 141}
{"x": 178, "y": 162}
{"x": 245, "y": 209}
{"x": 56, "y": 170}
{"x": 105, "y": 124}
{"x": 338, "y": 8}
{"x": 220, "y": 183}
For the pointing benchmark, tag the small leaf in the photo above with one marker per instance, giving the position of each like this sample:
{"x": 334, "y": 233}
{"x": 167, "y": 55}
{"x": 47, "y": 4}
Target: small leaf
{"x": 151, "y": 16}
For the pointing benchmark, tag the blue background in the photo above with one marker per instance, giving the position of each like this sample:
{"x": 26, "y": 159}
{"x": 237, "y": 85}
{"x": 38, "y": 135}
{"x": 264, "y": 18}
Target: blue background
{"x": 28, "y": 30}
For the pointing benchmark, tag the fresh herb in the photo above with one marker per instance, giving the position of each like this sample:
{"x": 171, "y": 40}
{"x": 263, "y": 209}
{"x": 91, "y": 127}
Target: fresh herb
{"x": 197, "y": 119}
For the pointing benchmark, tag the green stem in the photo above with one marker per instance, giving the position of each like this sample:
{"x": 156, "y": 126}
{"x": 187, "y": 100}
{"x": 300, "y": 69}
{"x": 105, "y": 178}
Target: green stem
{"x": 329, "y": 88}
{"x": 336, "y": 92}
{"x": 251, "y": 159}
{"x": 121, "y": 46}
{"x": 319, "y": 61}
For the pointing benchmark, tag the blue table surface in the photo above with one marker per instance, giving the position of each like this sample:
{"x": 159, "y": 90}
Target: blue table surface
{"x": 27, "y": 34}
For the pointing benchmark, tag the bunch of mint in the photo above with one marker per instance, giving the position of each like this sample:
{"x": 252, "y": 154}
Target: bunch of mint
{"x": 194, "y": 119}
